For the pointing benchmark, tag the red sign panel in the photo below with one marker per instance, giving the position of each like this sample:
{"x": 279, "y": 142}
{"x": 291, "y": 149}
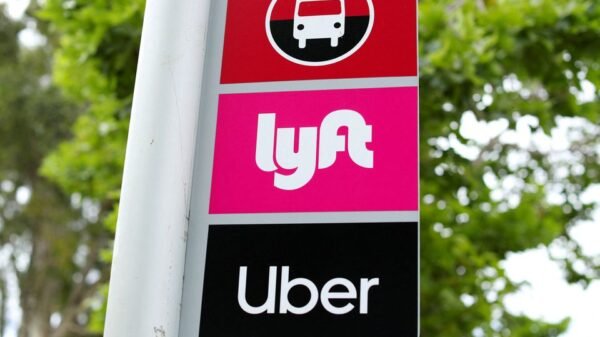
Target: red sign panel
{"x": 280, "y": 40}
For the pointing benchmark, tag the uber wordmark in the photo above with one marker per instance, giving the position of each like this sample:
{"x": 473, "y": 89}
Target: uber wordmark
{"x": 326, "y": 295}
{"x": 311, "y": 280}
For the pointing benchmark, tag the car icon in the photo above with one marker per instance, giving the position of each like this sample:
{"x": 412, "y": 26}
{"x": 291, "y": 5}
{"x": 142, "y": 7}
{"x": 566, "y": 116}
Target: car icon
{"x": 319, "y": 19}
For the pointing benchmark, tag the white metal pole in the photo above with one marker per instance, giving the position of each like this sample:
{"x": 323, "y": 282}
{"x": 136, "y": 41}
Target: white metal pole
{"x": 148, "y": 264}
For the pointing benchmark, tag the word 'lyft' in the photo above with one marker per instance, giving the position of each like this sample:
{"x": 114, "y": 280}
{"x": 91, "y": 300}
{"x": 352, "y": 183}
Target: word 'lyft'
{"x": 327, "y": 294}
{"x": 304, "y": 161}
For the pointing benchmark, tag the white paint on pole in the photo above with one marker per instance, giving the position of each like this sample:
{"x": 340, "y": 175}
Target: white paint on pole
{"x": 148, "y": 265}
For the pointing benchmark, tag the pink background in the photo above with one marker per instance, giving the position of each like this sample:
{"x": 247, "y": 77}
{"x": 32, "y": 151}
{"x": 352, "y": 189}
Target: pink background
{"x": 239, "y": 186}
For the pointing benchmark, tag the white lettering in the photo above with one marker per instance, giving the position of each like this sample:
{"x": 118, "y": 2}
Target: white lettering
{"x": 365, "y": 286}
{"x": 326, "y": 294}
{"x": 303, "y": 161}
{"x": 287, "y": 285}
{"x": 359, "y": 134}
{"x": 265, "y": 142}
{"x": 275, "y": 148}
{"x": 269, "y": 305}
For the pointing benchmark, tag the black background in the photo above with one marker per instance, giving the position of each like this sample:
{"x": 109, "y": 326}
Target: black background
{"x": 319, "y": 252}
{"x": 318, "y": 50}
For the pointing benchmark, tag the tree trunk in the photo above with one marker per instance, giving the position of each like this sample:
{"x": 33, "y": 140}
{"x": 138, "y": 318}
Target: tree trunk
{"x": 37, "y": 325}
{"x": 3, "y": 301}
{"x": 37, "y": 292}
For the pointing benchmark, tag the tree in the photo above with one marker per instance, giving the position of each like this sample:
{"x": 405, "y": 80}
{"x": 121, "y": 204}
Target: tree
{"x": 46, "y": 235}
{"x": 95, "y": 65}
{"x": 520, "y": 64}
{"x": 517, "y": 67}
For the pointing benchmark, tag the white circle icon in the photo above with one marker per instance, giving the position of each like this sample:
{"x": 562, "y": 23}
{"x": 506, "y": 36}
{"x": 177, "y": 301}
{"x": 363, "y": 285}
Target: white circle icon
{"x": 318, "y": 32}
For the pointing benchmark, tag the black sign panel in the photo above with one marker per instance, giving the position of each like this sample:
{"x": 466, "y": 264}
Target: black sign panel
{"x": 311, "y": 280}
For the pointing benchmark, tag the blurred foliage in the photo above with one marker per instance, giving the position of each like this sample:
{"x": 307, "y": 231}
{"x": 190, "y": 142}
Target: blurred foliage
{"x": 523, "y": 66}
{"x": 520, "y": 64}
{"x": 43, "y": 232}
{"x": 95, "y": 65}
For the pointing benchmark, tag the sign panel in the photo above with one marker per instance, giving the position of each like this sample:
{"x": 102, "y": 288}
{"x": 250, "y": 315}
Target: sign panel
{"x": 264, "y": 42}
{"x": 316, "y": 151}
{"x": 289, "y": 280}
{"x": 304, "y": 210}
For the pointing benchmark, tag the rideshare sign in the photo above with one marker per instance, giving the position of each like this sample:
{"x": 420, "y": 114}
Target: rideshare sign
{"x": 305, "y": 203}
{"x": 289, "y": 40}
{"x": 298, "y": 280}
{"x": 316, "y": 151}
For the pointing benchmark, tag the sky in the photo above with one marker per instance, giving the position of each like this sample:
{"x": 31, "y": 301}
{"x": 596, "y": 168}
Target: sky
{"x": 16, "y": 7}
{"x": 547, "y": 296}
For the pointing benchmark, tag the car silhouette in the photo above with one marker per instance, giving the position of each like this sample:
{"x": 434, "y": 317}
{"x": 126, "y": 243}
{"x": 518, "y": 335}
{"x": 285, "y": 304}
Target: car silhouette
{"x": 319, "y": 19}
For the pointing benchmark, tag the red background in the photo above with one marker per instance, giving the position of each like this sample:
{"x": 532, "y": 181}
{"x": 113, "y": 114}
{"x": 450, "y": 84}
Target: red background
{"x": 285, "y": 8}
{"x": 391, "y": 49}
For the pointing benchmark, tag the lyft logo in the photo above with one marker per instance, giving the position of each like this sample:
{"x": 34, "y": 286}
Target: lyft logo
{"x": 316, "y": 151}
{"x": 317, "y": 147}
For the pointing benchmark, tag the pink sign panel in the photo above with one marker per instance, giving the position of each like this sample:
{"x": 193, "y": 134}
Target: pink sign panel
{"x": 316, "y": 151}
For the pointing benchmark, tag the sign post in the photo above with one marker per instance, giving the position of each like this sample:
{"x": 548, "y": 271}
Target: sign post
{"x": 305, "y": 198}
{"x": 147, "y": 270}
